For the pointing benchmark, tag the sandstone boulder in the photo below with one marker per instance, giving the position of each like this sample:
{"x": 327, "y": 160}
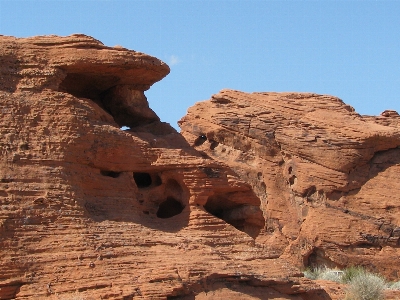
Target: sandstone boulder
{"x": 91, "y": 211}
{"x": 328, "y": 178}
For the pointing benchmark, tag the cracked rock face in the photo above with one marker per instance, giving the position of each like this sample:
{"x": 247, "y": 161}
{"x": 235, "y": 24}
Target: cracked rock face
{"x": 91, "y": 211}
{"x": 328, "y": 178}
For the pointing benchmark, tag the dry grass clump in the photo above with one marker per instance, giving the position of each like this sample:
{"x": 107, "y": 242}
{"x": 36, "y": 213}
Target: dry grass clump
{"x": 361, "y": 284}
{"x": 324, "y": 273}
{"x": 366, "y": 286}
{"x": 394, "y": 285}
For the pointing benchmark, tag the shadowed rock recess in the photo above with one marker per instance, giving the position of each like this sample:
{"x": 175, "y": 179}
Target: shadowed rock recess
{"x": 328, "y": 178}
{"x": 91, "y": 211}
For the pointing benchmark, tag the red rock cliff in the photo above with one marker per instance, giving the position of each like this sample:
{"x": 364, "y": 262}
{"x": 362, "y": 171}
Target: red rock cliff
{"x": 328, "y": 178}
{"x": 91, "y": 211}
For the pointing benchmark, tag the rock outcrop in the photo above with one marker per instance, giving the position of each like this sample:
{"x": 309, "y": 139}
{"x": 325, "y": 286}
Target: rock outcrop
{"x": 328, "y": 178}
{"x": 95, "y": 212}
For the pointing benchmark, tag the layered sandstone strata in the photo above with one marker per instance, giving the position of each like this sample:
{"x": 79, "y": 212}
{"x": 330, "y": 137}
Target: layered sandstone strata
{"x": 328, "y": 178}
{"x": 94, "y": 212}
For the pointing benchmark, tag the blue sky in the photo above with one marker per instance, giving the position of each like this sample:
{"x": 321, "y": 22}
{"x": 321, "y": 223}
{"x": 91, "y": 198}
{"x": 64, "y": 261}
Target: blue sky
{"x": 349, "y": 49}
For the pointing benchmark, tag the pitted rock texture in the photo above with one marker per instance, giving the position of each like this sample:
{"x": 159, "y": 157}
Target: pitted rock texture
{"x": 89, "y": 211}
{"x": 328, "y": 178}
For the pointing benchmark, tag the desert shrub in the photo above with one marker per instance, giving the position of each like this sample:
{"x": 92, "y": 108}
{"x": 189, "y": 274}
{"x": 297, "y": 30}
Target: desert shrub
{"x": 361, "y": 284}
{"x": 366, "y": 286}
{"x": 314, "y": 273}
{"x": 351, "y": 272}
{"x": 323, "y": 273}
{"x": 393, "y": 285}
{"x": 331, "y": 275}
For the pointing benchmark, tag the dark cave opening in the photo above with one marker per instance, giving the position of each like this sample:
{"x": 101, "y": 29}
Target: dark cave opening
{"x": 126, "y": 103}
{"x": 142, "y": 180}
{"x": 169, "y": 208}
{"x": 87, "y": 85}
{"x": 244, "y": 217}
{"x": 317, "y": 258}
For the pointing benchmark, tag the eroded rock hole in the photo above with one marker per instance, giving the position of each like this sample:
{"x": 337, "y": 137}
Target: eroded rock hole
{"x": 213, "y": 144}
{"x": 142, "y": 180}
{"x": 317, "y": 258}
{"x": 169, "y": 208}
{"x": 110, "y": 173}
{"x": 126, "y": 103}
{"x": 90, "y": 86}
{"x": 200, "y": 140}
{"x": 244, "y": 217}
{"x": 292, "y": 180}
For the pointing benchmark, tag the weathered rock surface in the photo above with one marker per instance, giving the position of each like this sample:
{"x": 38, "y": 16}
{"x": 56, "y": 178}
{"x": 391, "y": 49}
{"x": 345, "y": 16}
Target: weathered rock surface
{"x": 328, "y": 178}
{"x": 94, "y": 212}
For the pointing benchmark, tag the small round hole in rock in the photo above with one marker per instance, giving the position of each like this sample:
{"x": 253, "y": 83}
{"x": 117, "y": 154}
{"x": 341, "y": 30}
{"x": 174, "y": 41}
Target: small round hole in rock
{"x": 213, "y": 144}
{"x": 169, "y": 208}
{"x": 142, "y": 179}
{"x": 200, "y": 140}
{"x": 110, "y": 173}
{"x": 292, "y": 180}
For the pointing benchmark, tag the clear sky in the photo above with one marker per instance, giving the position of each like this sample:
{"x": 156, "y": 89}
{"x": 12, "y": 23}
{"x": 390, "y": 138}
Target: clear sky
{"x": 349, "y": 49}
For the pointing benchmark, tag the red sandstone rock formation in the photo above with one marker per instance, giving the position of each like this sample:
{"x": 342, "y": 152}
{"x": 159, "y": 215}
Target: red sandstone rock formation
{"x": 94, "y": 212}
{"x": 328, "y": 178}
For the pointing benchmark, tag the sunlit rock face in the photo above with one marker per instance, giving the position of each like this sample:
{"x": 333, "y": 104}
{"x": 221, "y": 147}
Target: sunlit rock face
{"x": 92, "y": 211}
{"x": 328, "y": 178}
